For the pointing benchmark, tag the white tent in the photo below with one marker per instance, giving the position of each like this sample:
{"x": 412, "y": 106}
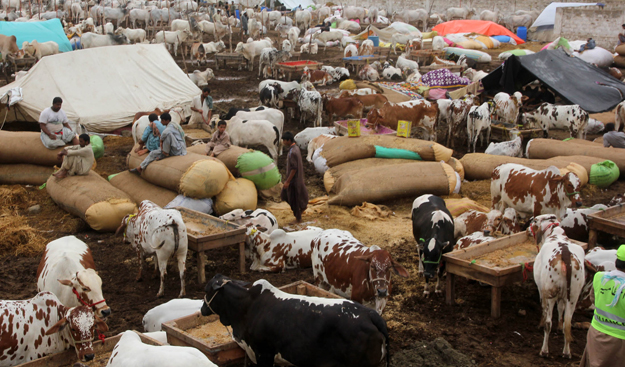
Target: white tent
{"x": 548, "y": 16}
{"x": 102, "y": 88}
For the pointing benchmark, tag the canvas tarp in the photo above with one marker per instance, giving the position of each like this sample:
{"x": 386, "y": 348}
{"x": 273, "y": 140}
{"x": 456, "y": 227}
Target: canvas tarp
{"x": 483, "y": 27}
{"x": 573, "y": 79}
{"x": 102, "y": 88}
{"x": 49, "y": 30}
{"x": 548, "y": 16}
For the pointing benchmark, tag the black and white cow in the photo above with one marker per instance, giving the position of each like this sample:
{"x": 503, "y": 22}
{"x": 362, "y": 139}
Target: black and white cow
{"x": 433, "y": 229}
{"x": 270, "y": 95}
{"x": 272, "y": 325}
{"x": 268, "y": 58}
{"x": 233, "y": 111}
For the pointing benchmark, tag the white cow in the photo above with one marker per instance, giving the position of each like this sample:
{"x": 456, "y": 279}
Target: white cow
{"x": 404, "y": 64}
{"x": 67, "y": 267}
{"x": 459, "y": 13}
{"x": 273, "y": 115}
{"x": 478, "y": 119}
{"x": 39, "y": 50}
{"x": 133, "y": 35}
{"x": 130, "y": 351}
{"x": 351, "y": 50}
{"x": 252, "y": 49}
{"x": 90, "y": 40}
{"x": 354, "y": 12}
{"x": 303, "y": 18}
{"x": 417, "y": 17}
{"x": 287, "y": 87}
{"x": 174, "y": 309}
{"x": 255, "y": 132}
{"x": 507, "y": 107}
{"x": 172, "y": 38}
{"x": 292, "y": 35}
{"x": 201, "y": 78}
{"x": 142, "y": 15}
{"x": 570, "y": 117}
{"x": 512, "y": 148}
{"x": 261, "y": 219}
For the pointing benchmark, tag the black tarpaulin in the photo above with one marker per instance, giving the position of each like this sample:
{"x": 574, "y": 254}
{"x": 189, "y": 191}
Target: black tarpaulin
{"x": 573, "y": 79}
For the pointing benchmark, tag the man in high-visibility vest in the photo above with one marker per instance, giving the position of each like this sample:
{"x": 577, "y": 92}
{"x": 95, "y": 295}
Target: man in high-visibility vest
{"x": 605, "y": 344}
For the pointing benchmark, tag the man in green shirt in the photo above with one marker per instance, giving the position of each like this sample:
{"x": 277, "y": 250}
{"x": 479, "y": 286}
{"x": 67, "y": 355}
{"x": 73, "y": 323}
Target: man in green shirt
{"x": 605, "y": 343}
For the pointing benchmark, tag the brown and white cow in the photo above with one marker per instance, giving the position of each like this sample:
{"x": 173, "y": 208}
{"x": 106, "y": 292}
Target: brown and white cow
{"x": 559, "y": 275}
{"x": 41, "y": 326}
{"x": 619, "y": 116}
{"x": 342, "y": 107}
{"x": 507, "y": 106}
{"x": 474, "y": 221}
{"x": 548, "y": 116}
{"x": 509, "y": 222}
{"x": 471, "y": 240}
{"x": 369, "y": 101}
{"x": 422, "y": 113}
{"x": 67, "y": 269}
{"x": 159, "y": 232}
{"x": 280, "y": 250}
{"x": 343, "y": 265}
{"x": 457, "y": 118}
{"x": 531, "y": 192}
{"x": 597, "y": 259}
{"x": 317, "y": 77}
{"x": 575, "y": 222}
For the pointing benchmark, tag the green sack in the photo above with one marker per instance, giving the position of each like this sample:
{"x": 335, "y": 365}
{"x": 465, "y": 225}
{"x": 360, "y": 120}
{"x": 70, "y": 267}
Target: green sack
{"x": 97, "y": 145}
{"x": 113, "y": 175}
{"x": 333, "y": 25}
{"x": 259, "y": 168}
{"x": 394, "y": 153}
{"x": 603, "y": 174}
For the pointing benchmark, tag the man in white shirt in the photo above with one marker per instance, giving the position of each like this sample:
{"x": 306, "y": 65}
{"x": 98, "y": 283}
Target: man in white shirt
{"x": 201, "y": 109}
{"x": 55, "y": 130}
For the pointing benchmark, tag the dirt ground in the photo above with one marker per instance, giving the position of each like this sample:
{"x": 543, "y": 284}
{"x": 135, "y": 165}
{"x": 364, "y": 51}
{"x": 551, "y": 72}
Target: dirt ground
{"x": 413, "y": 321}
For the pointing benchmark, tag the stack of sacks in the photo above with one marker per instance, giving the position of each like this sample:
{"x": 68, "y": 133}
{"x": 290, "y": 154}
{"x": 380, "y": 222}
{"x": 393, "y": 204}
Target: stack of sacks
{"x": 619, "y": 59}
{"x": 557, "y": 43}
{"x": 547, "y": 148}
{"x": 93, "y": 199}
{"x": 24, "y": 160}
{"x": 480, "y": 166}
{"x": 598, "y": 56}
{"x": 139, "y": 189}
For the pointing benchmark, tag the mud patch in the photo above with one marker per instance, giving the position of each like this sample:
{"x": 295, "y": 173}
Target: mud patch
{"x": 438, "y": 353}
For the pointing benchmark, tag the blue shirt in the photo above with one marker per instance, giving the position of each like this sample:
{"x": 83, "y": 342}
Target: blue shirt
{"x": 152, "y": 142}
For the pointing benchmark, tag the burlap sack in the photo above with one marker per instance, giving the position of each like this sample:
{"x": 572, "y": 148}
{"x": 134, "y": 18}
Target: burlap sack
{"x": 620, "y": 49}
{"x": 586, "y": 142}
{"x": 228, "y": 157}
{"x": 139, "y": 189}
{"x": 238, "y": 194}
{"x": 480, "y": 166}
{"x": 548, "y": 148}
{"x": 619, "y": 61}
{"x": 335, "y": 173}
{"x": 457, "y": 166}
{"x": 26, "y": 147}
{"x": 577, "y": 169}
{"x": 379, "y": 184}
{"x": 93, "y": 199}
{"x": 193, "y": 175}
{"x": 24, "y": 174}
{"x": 345, "y": 149}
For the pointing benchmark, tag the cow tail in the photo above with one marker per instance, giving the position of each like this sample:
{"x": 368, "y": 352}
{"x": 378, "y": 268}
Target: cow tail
{"x": 277, "y": 141}
{"x": 176, "y": 236}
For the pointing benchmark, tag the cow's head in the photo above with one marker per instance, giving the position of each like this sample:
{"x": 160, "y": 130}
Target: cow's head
{"x": 572, "y": 186}
{"x": 510, "y": 223}
{"x": 380, "y": 265}
{"x": 124, "y": 225}
{"x": 88, "y": 284}
{"x": 81, "y": 323}
{"x": 374, "y": 117}
{"x": 237, "y": 214}
{"x": 278, "y": 88}
{"x": 219, "y": 292}
{"x": 541, "y": 226}
{"x": 493, "y": 221}
{"x": 432, "y": 254}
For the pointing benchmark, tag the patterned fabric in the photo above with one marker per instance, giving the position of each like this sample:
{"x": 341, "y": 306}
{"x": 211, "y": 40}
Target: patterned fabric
{"x": 443, "y": 78}
{"x": 413, "y": 90}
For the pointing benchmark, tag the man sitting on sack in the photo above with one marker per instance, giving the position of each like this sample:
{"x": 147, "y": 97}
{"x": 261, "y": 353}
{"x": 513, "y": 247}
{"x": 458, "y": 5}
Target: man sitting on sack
{"x": 172, "y": 144}
{"x": 151, "y": 139}
{"x": 77, "y": 159}
{"x": 55, "y": 130}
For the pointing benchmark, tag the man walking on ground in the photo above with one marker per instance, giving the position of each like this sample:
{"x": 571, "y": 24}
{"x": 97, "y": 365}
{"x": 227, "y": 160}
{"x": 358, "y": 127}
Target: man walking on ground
{"x": 294, "y": 191}
{"x": 172, "y": 144}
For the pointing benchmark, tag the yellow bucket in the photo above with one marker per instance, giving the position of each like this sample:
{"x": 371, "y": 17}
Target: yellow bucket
{"x": 404, "y": 128}
{"x": 353, "y": 128}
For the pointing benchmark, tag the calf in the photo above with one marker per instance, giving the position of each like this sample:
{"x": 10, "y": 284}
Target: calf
{"x": 340, "y": 74}
{"x": 318, "y": 77}
{"x": 575, "y": 222}
{"x": 255, "y": 132}
{"x": 597, "y": 259}
{"x": 270, "y": 95}
{"x": 269, "y": 57}
{"x": 41, "y": 326}
{"x": 391, "y": 73}
{"x": 509, "y": 222}
{"x": 309, "y": 48}
{"x": 160, "y": 232}
{"x": 531, "y": 192}
{"x": 617, "y": 199}
{"x": 366, "y": 48}
{"x": 131, "y": 351}
{"x": 67, "y": 269}
{"x": 507, "y": 107}
{"x": 471, "y": 240}
{"x": 404, "y": 64}
{"x": 350, "y": 51}
{"x": 339, "y": 332}
{"x": 478, "y": 119}
{"x": 325, "y": 37}
{"x": 422, "y": 113}
{"x": 292, "y": 35}
{"x": 171, "y": 310}
{"x": 201, "y": 78}
{"x": 619, "y": 116}
{"x": 308, "y": 134}
{"x": 433, "y": 229}
{"x": 473, "y": 221}
{"x": 367, "y": 72}
{"x": 572, "y": 118}
{"x": 279, "y": 251}
{"x": 342, "y": 107}
{"x": 559, "y": 276}
{"x": 261, "y": 219}
{"x": 457, "y": 113}
{"x": 133, "y": 35}
{"x": 317, "y": 143}
{"x": 343, "y": 265}
{"x": 39, "y": 50}
{"x": 512, "y": 148}
{"x": 310, "y": 104}
{"x": 287, "y": 87}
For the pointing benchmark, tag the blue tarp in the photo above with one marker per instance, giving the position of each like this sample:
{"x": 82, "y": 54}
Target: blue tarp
{"x": 49, "y": 30}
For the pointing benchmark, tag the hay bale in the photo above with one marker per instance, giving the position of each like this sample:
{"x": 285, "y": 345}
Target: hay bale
{"x": 19, "y": 238}
{"x": 345, "y": 149}
{"x": 139, "y": 189}
{"x": 93, "y": 199}
{"x": 238, "y": 194}
{"x": 458, "y": 206}
{"x": 192, "y": 175}
{"x": 547, "y": 148}
{"x": 388, "y": 182}
{"x": 26, "y": 147}
{"x": 24, "y": 174}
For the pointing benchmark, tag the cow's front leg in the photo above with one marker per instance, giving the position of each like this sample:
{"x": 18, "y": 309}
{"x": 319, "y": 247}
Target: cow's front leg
{"x": 426, "y": 290}
{"x": 162, "y": 264}
{"x": 140, "y": 258}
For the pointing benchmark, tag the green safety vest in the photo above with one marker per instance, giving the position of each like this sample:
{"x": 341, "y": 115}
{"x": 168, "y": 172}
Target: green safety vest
{"x": 609, "y": 315}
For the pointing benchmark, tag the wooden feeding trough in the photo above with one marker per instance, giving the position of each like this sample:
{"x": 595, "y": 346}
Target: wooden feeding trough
{"x": 431, "y": 67}
{"x": 102, "y": 351}
{"x": 13, "y": 65}
{"x": 341, "y": 129}
{"x": 209, "y": 336}
{"x": 290, "y": 67}
{"x": 206, "y": 232}
{"x": 359, "y": 61}
{"x": 226, "y": 57}
{"x": 611, "y": 220}
{"x": 503, "y": 132}
{"x": 497, "y": 263}
{"x": 426, "y": 57}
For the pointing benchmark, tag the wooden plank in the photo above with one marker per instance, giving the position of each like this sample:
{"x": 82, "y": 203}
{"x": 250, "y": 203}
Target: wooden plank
{"x": 495, "y": 302}
{"x": 450, "y": 288}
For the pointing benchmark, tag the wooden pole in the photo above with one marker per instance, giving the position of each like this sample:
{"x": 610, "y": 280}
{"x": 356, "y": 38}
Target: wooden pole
{"x": 230, "y": 35}
{"x": 39, "y": 9}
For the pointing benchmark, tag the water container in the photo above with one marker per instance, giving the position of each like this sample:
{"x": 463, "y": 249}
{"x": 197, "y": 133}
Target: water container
{"x": 376, "y": 41}
{"x": 521, "y": 32}
{"x": 236, "y": 14}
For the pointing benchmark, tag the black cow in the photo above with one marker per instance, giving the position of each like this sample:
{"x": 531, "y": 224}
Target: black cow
{"x": 305, "y": 331}
{"x": 433, "y": 229}
{"x": 270, "y": 95}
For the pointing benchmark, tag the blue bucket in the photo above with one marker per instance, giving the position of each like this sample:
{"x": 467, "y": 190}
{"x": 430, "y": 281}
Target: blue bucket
{"x": 376, "y": 41}
{"x": 521, "y": 32}
{"x": 236, "y": 14}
